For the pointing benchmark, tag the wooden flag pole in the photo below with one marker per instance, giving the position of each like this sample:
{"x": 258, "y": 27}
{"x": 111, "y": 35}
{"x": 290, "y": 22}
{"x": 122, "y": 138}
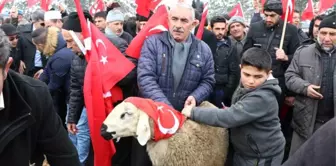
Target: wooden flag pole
{"x": 284, "y": 28}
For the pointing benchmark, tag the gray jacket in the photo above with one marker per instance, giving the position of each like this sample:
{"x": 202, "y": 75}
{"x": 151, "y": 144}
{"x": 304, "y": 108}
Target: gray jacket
{"x": 304, "y": 70}
{"x": 253, "y": 119}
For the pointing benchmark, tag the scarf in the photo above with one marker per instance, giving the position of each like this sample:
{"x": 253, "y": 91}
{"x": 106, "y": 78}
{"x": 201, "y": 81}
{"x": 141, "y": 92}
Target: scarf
{"x": 166, "y": 120}
{"x": 109, "y": 32}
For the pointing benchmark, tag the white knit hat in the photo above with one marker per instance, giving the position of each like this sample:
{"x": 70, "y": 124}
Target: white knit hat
{"x": 52, "y": 15}
{"x": 115, "y": 15}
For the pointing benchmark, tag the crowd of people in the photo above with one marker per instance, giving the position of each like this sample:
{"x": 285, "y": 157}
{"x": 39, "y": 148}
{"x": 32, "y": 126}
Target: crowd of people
{"x": 273, "y": 98}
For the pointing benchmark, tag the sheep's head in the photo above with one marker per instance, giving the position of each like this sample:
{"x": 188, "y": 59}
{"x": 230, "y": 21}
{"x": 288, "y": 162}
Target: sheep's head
{"x": 127, "y": 120}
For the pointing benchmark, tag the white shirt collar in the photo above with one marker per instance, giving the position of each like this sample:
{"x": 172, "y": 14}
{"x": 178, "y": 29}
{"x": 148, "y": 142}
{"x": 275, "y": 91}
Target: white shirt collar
{"x": 2, "y": 103}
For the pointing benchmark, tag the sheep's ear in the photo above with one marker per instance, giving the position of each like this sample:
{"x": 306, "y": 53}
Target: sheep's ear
{"x": 143, "y": 129}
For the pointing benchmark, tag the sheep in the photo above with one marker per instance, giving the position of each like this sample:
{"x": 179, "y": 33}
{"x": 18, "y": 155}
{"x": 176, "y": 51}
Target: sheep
{"x": 192, "y": 145}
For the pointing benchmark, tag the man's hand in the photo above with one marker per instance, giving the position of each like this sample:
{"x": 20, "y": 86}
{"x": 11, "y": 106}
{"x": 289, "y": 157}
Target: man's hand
{"x": 187, "y": 111}
{"x": 38, "y": 74}
{"x": 191, "y": 101}
{"x": 280, "y": 55}
{"x": 312, "y": 92}
{"x": 22, "y": 67}
{"x": 289, "y": 101}
{"x": 61, "y": 8}
{"x": 72, "y": 128}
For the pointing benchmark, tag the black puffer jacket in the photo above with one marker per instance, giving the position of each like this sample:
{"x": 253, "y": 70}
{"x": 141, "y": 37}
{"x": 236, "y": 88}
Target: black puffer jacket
{"x": 76, "y": 102}
{"x": 258, "y": 36}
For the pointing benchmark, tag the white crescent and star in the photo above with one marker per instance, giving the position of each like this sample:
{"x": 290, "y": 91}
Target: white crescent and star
{"x": 103, "y": 58}
{"x": 168, "y": 130}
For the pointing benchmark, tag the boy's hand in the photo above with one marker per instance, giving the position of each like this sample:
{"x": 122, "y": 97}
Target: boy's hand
{"x": 187, "y": 111}
{"x": 191, "y": 101}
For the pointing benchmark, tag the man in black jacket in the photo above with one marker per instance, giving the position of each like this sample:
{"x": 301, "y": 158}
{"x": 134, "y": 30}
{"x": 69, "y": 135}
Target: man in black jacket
{"x": 77, "y": 72}
{"x": 29, "y": 125}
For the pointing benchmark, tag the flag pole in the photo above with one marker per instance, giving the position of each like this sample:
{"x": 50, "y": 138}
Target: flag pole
{"x": 284, "y": 27}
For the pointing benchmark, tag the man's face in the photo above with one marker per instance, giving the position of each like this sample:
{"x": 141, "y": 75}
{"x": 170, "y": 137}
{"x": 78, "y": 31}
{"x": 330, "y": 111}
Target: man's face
{"x": 316, "y": 27}
{"x": 116, "y": 27}
{"x": 142, "y": 24}
{"x": 252, "y": 77}
{"x": 327, "y": 38}
{"x": 13, "y": 12}
{"x": 39, "y": 24}
{"x": 296, "y": 19}
{"x": 237, "y": 30}
{"x": 55, "y": 23}
{"x": 71, "y": 44}
{"x": 13, "y": 39}
{"x": 100, "y": 22}
{"x": 219, "y": 30}
{"x": 271, "y": 18}
{"x": 180, "y": 23}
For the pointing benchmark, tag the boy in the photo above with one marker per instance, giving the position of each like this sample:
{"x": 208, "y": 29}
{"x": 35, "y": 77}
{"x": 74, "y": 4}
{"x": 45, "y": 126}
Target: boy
{"x": 253, "y": 118}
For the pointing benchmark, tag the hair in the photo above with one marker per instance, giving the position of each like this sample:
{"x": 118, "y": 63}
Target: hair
{"x": 130, "y": 27}
{"x": 297, "y": 11}
{"x": 257, "y": 57}
{"x": 101, "y": 14}
{"x": 311, "y": 25}
{"x": 4, "y": 49}
{"x": 39, "y": 35}
{"x": 217, "y": 19}
{"x": 186, "y": 6}
{"x": 37, "y": 15}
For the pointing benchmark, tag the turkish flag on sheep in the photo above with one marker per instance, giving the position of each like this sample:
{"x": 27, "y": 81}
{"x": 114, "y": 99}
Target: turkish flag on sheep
{"x": 106, "y": 66}
{"x": 166, "y": 120}
{"x": 156, "y": 24}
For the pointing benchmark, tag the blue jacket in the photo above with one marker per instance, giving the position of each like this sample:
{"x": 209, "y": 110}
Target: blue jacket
{"x": 57, "y": 71}
{"x": 155, "y": 78}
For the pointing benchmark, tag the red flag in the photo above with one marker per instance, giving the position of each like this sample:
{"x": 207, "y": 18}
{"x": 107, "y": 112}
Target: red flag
{"x": 2, "y": 4}
{"x": 106, "y": 66}
{"x": 97, "y": 6}
{"x": 290, "y": 6}
{"x": 201, "y": 27}
{"x": 31, "y": 3}
{"x": 326, "y": 4}
{"x": 308, "y": 13}
{"x": 237, "y": 11}
{"x": 143, "y": 8}
{"x": 45, "y": 4}
{"x": 156, "y": 24}
{"x": 154, "y": 4}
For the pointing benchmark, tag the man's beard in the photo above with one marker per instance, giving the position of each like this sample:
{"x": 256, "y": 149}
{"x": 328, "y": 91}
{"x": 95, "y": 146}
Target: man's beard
{"x": 327, "y": 49}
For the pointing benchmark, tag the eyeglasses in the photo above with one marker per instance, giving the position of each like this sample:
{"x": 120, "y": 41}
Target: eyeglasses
{"x": 13, "y": 38}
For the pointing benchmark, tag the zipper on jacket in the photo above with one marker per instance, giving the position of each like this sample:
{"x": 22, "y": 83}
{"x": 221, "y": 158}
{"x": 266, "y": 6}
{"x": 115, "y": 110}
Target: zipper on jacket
{"x": 163, "y": 67}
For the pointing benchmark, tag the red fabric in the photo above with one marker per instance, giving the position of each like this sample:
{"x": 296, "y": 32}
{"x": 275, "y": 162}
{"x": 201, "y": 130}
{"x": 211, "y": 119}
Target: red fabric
{"x": 201, "y": 27}
{"x": 284, "y": 110}
{"x": 308, "y": 13}
{"x": 166, "y": 120}
{"x": 98, "y": 6}
{"x": 143, "y": 8}
{"x": 31, "y": 3}
{"x": 237, "y": 11}
{"x": 154, "y": 4}
{"x": 106, "y": 66}
{"x": 290, "y": 5}
{"x": 156, "y": 24}
{"x": 45, "y": 4}
{"x": 3, "y": 3}
{"x": 326, "y": 4}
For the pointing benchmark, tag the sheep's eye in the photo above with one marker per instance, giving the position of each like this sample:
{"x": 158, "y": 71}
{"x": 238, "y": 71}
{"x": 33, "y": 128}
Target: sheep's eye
{"x": 122, "y": 116}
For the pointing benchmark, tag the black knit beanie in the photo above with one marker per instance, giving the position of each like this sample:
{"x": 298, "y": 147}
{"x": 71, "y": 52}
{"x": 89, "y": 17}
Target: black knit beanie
{"x": 273, "y": 6}
{"x": 329, "y": 22}
{"x": 73, "y": 23}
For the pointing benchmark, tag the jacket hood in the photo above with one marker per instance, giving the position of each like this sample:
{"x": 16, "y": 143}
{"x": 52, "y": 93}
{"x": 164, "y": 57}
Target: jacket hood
{"x": 54, "y": 42}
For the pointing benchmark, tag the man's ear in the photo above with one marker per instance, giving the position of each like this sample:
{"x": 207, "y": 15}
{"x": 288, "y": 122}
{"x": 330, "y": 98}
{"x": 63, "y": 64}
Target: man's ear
{"x": 195, "y": 23}
{"x": 7, "y": 67}
{"x": 143, "y": 131}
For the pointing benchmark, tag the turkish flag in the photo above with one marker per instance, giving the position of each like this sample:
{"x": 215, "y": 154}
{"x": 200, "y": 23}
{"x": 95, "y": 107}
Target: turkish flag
{"x": 106, "y": 66}
{"x": 156, "y": 24}
{"x": 237, "y": 11}
{"x": 308, "y": 13}
{"x": 154, "y": 4}
{"x": 31, "y": 3}
{"x": 200, "y": 31}
{"x": 45, "y": 4}
{"x": 326, "y": 4}
{"x": 97, "y": 6}
{"x": 290, "y": 6}
{"x": 143, "y": 8}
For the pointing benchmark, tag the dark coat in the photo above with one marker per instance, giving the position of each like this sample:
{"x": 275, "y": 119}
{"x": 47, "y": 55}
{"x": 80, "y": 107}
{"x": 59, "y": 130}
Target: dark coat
{"x": 127, "y": 37}
{"x": 29, "y": 125}
{"x": 26, "y": 49}
{"x": 57, "y": 74}
{"x": 259, "y": 34}
{"x": 155, "y": 78}
{"x": 77, "y": 72}
{"x": 16, "y": 59}
{"x": 209, "y": 38}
